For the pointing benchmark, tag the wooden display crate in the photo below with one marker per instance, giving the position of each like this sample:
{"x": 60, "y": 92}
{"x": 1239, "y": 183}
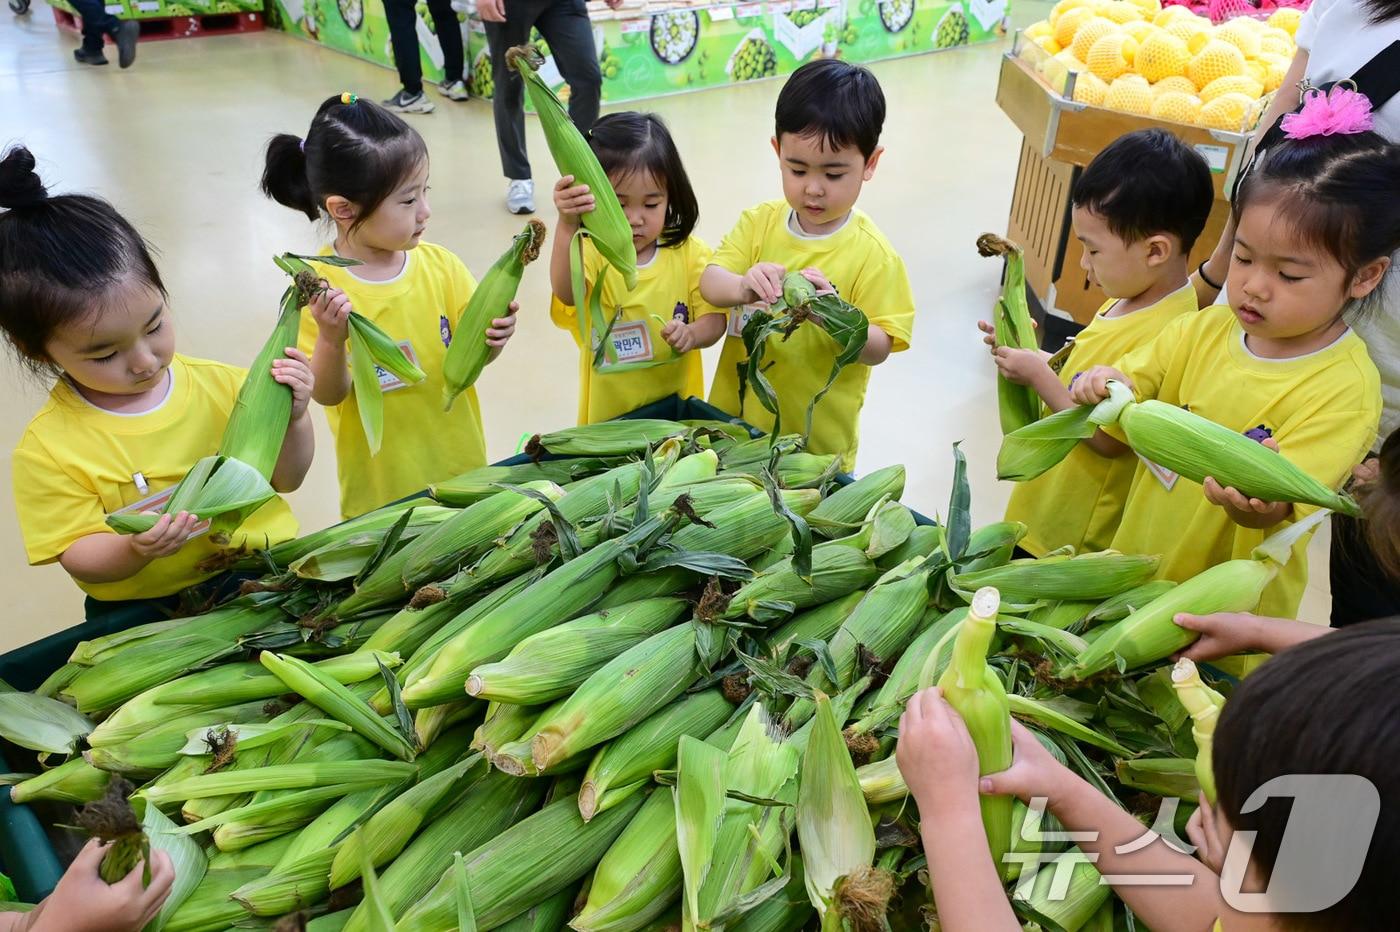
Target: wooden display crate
{"x": 1061, "y": 137}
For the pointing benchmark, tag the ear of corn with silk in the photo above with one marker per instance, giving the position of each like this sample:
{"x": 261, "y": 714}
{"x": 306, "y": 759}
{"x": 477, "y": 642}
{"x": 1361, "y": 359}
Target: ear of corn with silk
{"x": 1019, "y": 405}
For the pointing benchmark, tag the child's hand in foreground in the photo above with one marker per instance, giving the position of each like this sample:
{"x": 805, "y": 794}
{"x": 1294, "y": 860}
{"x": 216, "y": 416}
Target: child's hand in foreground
{"x": 331, "y": 310}
{"x": 572, "y": 200}
{"x": 679, "y": 336}
{"x": 935, "y": 753}
{"x": 84, "y": 902}
{"x": 1091, "y": 386}
{"x": 502, "y": 329}
{"x": 764, "y": 282}
{"x": 166, "y": 537}
{"x": 1033, "y": 771}
{"x": 295, "y": 373}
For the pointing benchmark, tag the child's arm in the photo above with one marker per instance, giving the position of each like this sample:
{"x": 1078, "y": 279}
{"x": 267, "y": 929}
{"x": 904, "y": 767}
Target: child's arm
{"x": 299, "y": 444}
{"x": 84, "y": 902}
{"x": 1081, "y": 808}
{"x": 1224, "y": 634}
{"x": 329, "y": 363}
{"x": 1027, "y": 367}
{"x": 723, "y": 288}
{"x": 939, "y": 764}
{"x": 571, "y": 201}
{"x": 704, "y": 332}
{"x": 105, "y": 558}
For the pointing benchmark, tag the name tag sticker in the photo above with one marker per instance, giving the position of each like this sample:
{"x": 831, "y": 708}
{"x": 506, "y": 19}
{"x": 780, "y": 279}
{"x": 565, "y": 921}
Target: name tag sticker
{"x": 157, "y": 502}
{"x": 1161, "y": 473}
{"x": 632, "y": 341}
{"x": 388, "y": 382}
{"x": 739, "y": 317}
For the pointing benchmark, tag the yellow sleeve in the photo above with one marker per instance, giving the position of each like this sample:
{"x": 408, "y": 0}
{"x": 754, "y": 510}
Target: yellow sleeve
{"x": 306, "y": 333}
{"x": 54, "y": 508}
{"x": 738, "y": 251}
{"x": 461, "y": 285}
{"x": 565, "y": 316}
{"x": 700, "y": 258}
{"x": 1146, "y": 367}
{"x": 887, "y": 298}
{"x": 1330, "y": 435}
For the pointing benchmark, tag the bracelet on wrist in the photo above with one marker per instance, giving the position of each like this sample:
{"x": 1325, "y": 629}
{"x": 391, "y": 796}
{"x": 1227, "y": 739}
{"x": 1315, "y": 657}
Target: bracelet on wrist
{"x": 1201, "y": 271}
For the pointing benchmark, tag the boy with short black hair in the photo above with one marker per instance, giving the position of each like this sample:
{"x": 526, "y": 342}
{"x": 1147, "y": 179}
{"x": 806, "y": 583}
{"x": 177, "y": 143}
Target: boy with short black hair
{"x": 1137, "y": 208}
{"x": 827, "y": 139}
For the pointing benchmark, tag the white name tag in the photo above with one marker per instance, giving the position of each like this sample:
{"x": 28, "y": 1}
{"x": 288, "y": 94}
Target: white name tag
{"x": 739, "y": 317}
{"x": 1161, "y": 473}
{"x": 632, "y": 342}
{"x": 388, "y": 382}
{"x": 157, "y": 502}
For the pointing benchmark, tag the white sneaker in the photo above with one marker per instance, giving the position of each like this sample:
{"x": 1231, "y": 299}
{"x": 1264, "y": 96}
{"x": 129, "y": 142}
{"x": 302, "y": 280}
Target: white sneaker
{"x": 520, "y": 196}
{"x": 404, "y": 102}
{"x": 457, "y": 90}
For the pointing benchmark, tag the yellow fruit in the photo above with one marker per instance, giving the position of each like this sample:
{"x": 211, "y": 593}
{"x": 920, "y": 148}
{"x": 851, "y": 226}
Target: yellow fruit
{"x": 1111, "y": 56}
{"x": 1120, "y": 11}
{"x": 1217, "y": 59}
{"x": 1257, "y": 70}
{"x": 1277, "y": 69}
{"x": 1170, "y": 14}
{"x": 1129, "y": 93}
{"x": 1273, "y": 45}
{"x": 1242, "y": 37}
{"x": 1038, "y": 30}
{"x": 1176, "y": 107}
{"x": 1049, "y": 44}
{"x": 1088, "y": 89}
{"x": 1068, "y": 24}
{"x": 1228, "y": 111}
{"x": 1063, "y": 7}
{"x": 1089, "y": 33}
{"x": 1188, "y": 31}
{"x": 1235, "y": 84}
{"x": 1286, "y": 18}
{"x": 1177, "y": 82}
{"x": 1148, "y": 8}
{"x": 1161, "y": 55}
{"x": 1140, "y": 30}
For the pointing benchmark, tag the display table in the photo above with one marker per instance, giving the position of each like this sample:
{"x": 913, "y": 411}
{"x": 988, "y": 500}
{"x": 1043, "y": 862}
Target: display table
{"x": 647, "y": 49}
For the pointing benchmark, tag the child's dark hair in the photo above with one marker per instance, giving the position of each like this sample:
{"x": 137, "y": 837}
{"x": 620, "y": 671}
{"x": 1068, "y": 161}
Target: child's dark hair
{"x": 1381, "y": 504}
{"x": 1327, "y": 706}
{"x": 355, "y": 149}
{"x": 631, "y": 142}
{"x": 56, "y": 254}
{"x": 1145, "y": 183}
{"x": 1340, "y": 193}
{"x": 838, "y": 102}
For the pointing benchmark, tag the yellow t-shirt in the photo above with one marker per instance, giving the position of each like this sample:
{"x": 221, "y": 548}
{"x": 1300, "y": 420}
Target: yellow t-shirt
{"x": 865, "y": 270}
{"x": 76, "y": 464}
{"x": 669, "y": 285}
{"x": 1321, "y": 408}
{"x": 422, "y": 444}
{"x": 1079, "y": 501}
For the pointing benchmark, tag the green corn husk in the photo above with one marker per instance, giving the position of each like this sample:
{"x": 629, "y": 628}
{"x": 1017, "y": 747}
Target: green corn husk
{"x": 209, "y": 907}
{"x": 789, "y": 910}
{"x": 338, "y": 702}
{"x": 288, "y": 552}
{"x": 528, "y": 862}
{"x": 413, "y": 626}
{"x": 922, "y": 542}
{"x": 1196, "y": 447}
{"x": 1124, "y": 604}
{"x": 881, "y": 782}
{"x": 41, "y": 724}
{"x": 346, "y": 557}
{"x": 371, "y": 349}
{"x": 75, "y": 781}
{"x": 845, "y": 509}
{"x": 1086, "y": 576}
{"x": 1161, "y": 776}
{"x": 974, "y": 690}
{"x": 1068, "y": 615}
{"x": 281, "y": 777}
{"x": 1031, "y": 451}
{"x": 55, "y": 682}
{"x": 1019, "y": 405}
{"x": 837, "y": 570}
{"x": 624, "y": 766}
{"x": 263, "y": 857}
{"x": 658, "y": 584}
{"x": 1070, "y": 909}
{"x": 797, "y": 470}
{"x": 160, "y": 747}
{"x": 485, "y": 481}
{"x": 622, "y": 693}
{"x": 992, "y": 545}
{"x": 505, "y": 723}
{"x": 548, "y": 665}
{"x": 639, "y": 878}
{"x": 473, "y": 529}
{"x": 819, "y": 623}
{"x": 610, "y": 438}
{"x": 1204, "y": 705}
{"x": 550, "y": 915}
{"x": 746, "y": 528}
{"x": 467, "y": 353}
{"x": 923, "y": 661}
{"x": 887, "y": 528}
{"x": 884, "y": 622}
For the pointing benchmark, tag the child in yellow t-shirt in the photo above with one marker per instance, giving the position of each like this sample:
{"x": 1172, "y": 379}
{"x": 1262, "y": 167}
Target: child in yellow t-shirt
{"x": 367, "y": 170}
{"x": 1137, "y": 228}
{"x": 1314, "y": 237}
{"x": 1305, "y": 807}
{"x": 657, "y": 322}
{"x": 81, "y": 299}
{"x": 828, "y": 122}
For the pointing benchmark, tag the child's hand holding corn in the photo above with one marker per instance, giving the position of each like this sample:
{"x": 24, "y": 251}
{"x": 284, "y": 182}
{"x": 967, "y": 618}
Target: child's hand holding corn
{"x": 764, "y": 282}
{"x": 501, "y": 330}
{"x": 1091, "y": 386}
{"x": 84, "y": 902}
{"x": 679, "y": 336}
{"x": 936, "y": 755}
{"x": 572, "y": 201}
{"x": 331, "y": 311}
{"x": 1243, "y": 510}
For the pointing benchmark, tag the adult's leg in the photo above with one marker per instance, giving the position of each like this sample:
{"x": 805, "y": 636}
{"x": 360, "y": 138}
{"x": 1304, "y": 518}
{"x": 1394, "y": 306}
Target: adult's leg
{"x": 98, "y": 24}
{"x": 449, "y": 35}
{"x": 566, "y": 27}
{"x": 508, "y": 105}
{"x": 403, "y": 37}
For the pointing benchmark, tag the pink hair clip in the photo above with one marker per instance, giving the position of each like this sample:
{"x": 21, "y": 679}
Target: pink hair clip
{"x": 1342, "y": 111}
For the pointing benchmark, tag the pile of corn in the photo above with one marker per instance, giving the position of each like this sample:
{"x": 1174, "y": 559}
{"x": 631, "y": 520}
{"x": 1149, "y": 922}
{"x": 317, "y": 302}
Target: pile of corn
{"x": 1167, "y": 63}
{"x": 652, "y": 685}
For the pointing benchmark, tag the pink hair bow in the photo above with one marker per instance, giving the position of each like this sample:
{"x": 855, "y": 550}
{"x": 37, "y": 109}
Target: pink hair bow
{"x": 1341, "y": 111}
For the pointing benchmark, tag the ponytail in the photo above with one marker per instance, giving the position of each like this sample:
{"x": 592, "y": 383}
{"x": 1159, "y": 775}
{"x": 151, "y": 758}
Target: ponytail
{"x": 1381, "y": 504}
{"x": 284, "y": 175}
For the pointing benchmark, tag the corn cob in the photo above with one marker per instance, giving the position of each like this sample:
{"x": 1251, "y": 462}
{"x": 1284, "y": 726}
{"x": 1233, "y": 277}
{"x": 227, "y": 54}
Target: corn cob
{"x": 881, "y": 782}
{"x": 504, "y": 723}
{"x": 485, "y": 481}
{"x": 622, "y": 693}
{"x": 1087, "y": 576}
{"x": 884, "y": 621}
{"x": 625, "y": 765}
{"x": 1196, "y": 447}
{"x": 923, "y": 662}
{"x": 1055, "y": 906}
{"x": 847, "y": 507}
{"x": 288, "y": 552}
{"x": 992, "y": 545}
{"x": 1161, "y": 776}
{"x": 657, "y": 584}
{"x": 528, "y": 862}
{"x": 548, "y": 665}
{"x": 610, "y": 438}
{"x": 605, "y": 223}
{"x": 833, "y": 823}
{"x": 371, "y": 349}
{"x": 787, "y": 911}
{"x": 1125, "y": 603}
{"x": 745, "y": 528}
{"x": 335, "y": 700}
{"x": 837, "y": 570}
{"x": 975, "y": 691}
{"x": 346, "y": 557}
{"x": 467, "y": 354}
{"x": 75, "y": 781}
{"x": 816, "y": 624}
{"x": 489, "y": 808}
{"x": 639, "y": 878}
{"x": 281, "y": 777}
{"x": 1204, "y": 705}
{"x": 1019, "y": 404}
{"x": 412, "y": 626}
{"x": 795, "y": 470}
{"x": 209, "y": 908}
{"x": 161, "y": 745}
{"x": 99, "y": 649}
{"x": 1032, "y": 450}
{"x": 921, "y": 542}
{"x": 550, "y": 915}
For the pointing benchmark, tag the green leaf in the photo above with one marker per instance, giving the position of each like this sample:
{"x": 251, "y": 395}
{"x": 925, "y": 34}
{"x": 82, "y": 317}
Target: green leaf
{"x": 41, "y": 724}
{"x": 387, "y": 545}
{"x": 185, "y": 856}
{"x": 466, "y": 913}
{"x": 403, "y": 717}
{"x": 1032, "y": 450}
{"x": 959, "y": 523}
{"x": 699, "y": 795}
{"x": 369, "y": 398}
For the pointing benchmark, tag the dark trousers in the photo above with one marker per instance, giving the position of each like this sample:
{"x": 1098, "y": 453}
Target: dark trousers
{"x": 403, "y": 36}
{"x": 1360, "y": 589}
{"x": 98, "y": 24}
{"x": 565, "y": 27}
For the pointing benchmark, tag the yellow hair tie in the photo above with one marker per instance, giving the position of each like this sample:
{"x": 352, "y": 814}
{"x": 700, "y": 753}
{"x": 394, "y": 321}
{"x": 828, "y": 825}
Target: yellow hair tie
{"x": 348, "y": 98}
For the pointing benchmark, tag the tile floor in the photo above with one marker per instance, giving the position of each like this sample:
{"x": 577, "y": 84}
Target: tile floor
{"x": 176, "y": 143}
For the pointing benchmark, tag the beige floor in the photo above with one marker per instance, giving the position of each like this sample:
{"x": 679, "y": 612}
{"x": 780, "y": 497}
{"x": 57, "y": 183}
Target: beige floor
{"x": 176, "y": 143}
